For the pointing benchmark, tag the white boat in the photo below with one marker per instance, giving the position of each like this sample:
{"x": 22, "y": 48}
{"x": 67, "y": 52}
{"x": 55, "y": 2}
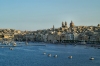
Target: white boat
{"x": 49, "y": 55}
{"x": 55, "y": 55}
{"x": 91, "y": 58}
{"x": 44, "y": 53}
{"x": 70, "y": 57}
{"x": 14, "y": 44}
{"x": 26, "y": 43}
{"x": 11, "y": 48}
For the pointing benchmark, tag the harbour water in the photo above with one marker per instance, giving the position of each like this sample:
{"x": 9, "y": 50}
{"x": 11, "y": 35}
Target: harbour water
{"x": 34, "y": 55}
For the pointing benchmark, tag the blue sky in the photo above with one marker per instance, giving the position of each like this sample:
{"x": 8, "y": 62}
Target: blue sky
{"x": 43, "y": 14}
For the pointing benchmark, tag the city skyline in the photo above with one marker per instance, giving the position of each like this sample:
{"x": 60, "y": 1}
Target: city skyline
{"x": 43, "y": 14}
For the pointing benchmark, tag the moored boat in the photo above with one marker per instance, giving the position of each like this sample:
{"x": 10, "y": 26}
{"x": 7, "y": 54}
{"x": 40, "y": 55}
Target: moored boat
{"x": 91, "y": 58}
{"x": 70, "y": 57}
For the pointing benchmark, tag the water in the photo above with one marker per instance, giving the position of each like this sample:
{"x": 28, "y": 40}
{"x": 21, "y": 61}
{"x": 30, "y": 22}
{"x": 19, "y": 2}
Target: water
{"x": 33, "y": 55}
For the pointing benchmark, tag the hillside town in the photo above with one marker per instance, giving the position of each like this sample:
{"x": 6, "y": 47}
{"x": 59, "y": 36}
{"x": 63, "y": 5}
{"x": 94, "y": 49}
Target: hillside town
{"x": 64, "y": 34}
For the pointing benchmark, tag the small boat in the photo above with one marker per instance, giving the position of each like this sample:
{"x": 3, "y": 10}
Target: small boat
{"x": 44, "y": 53}
{"x": 91, "y": 58}
{"x": 14, "y": 44}
{"x": 70, "y": 57}
{"x": 49, "y": 55}
{"x": 55, "y": 55}
{"x": 11, "y": 48}
{"x": 26, "y": 43}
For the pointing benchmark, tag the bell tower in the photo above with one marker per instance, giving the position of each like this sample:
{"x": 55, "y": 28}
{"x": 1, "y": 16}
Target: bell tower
{"x": 63, "y": 25}
{"x": 71, "y": 24}
{"x": 53, "y": 28}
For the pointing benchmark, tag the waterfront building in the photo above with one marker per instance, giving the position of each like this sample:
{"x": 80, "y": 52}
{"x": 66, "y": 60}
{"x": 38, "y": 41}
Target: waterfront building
{"x": 61, "y": 34}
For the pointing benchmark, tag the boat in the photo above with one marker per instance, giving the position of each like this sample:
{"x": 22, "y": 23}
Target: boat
{"x": 11, "y": 48}
{"x": 55, "y": 55}
{"x": 44, "y": 53}
{"x": 26, "y": 43}
{"x": 91, "y": 58}
{"x": 14, "y": 44}
{"x": 70, "y": 57}
{"x": 49, "y": 55}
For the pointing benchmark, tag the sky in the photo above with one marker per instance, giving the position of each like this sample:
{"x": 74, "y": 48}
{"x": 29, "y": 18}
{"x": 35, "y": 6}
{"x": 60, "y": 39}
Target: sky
{"x": 43, "y": 14}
